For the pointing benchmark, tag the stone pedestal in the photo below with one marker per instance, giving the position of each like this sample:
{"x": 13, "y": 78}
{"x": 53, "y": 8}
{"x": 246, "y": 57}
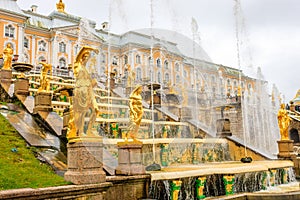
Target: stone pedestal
{"x": 286, "y": 149}
{"x": 85, "y": 162}
{"x": 130, "y": 159}
{"x": 42, "y": 102}
{"x": 21, "y": 87}
{"x": 5, "y": 76}
{"x": 223, "y": 128}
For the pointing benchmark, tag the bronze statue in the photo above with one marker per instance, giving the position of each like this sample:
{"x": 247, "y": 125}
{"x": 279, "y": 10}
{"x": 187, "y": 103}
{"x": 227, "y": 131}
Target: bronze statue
{"x": 44, "y": 80}
{"x": 8, "y": 54}
{"x": 84, "y": 102}
{"x": 283, "y": 122}
{"x": 136, "y": 112}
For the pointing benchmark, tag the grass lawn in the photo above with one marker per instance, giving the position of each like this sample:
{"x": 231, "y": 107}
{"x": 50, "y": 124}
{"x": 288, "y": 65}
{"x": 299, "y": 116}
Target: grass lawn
{"x": 18, "y": 166}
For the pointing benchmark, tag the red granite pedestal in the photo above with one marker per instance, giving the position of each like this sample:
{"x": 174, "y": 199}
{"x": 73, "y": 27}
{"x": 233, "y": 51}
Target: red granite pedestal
{"x": 85, "y": 162}
{"x": 21, "y": 87}
{"x": 42, "y": 102}
{"x": 286, "y": 149}
{"x": 130, "y": 159}
{"x": 5, "y": 76}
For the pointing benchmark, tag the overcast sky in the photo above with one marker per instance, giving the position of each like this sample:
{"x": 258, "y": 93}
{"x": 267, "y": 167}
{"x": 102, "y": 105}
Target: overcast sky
{"x": 269, "y": 30}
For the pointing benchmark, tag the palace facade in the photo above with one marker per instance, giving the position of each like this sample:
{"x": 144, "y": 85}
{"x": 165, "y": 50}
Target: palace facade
{"x": 57, "y": 38}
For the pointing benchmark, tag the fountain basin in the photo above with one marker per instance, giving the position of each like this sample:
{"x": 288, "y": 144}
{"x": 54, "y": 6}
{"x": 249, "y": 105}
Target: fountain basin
{"x": 204, "y": 169}
{"x": 22, "y": 67}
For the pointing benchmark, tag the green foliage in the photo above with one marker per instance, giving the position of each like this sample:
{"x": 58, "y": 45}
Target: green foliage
{"x": 18, "y": 166}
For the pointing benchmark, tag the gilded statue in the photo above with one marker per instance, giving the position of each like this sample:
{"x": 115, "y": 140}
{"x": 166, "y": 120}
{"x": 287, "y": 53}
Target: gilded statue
{"x": 135, "y": 112}
{"x": 44, "y": 80}
{"x": 130, "y": 76}
{"x": 71, "y": 133}
{"x": 84, "y": 102}
{"x": 60, "y": 6}
{"x": 283, "y": 122}
{"x": 8, "y": 54}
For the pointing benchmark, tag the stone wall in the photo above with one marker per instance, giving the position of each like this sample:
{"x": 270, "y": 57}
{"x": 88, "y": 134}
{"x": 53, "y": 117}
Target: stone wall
{"x": 116, "y": 188}
{"x": 91, "y": 192}
{"x": 238, "y": 151}
{"x": 128, "y": 187}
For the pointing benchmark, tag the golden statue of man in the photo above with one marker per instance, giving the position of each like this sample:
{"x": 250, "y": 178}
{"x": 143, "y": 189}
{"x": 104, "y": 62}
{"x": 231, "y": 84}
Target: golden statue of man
{"x": 136, "y": 111}
{"x": 84, "y": 102}
{"x": 283, "y": 122}
{"x": 44, "y": 80}
{"x": 8, "y": 54}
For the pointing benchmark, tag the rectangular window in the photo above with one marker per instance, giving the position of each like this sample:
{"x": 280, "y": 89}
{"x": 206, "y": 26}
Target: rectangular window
{"x": 9, "y": 31}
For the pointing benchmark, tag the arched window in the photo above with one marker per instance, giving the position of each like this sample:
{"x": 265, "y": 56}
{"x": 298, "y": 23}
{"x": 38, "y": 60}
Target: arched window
{"x": 177, "y": 79}
{"x": 197, "y": 75}
{"x": 158, "y": 77}
{"x": 39, "y": 66}
{"x": 125, "y": 59}
{"x": 138, "y": 74}
{"x": 167, "y": 77}
{"x": 103, "y": 57}
{"x": 177, "y": 67}
{"x": 166, "y": 64}
{"x": 62, "y": 47}
{"x": 9, "y": 31}
{"x": 235, "y": 84}
{"x": 150, "y": 61}
{"x": 76, "y": 49}
{"x": 185, "y": 73}
{"x": 42, "y": 45}
{"x": 62, "y": 63}
{"x": 249, "y": 86}
{"x": 158, "y": 62}
{"x": 138, "y": 59}
{"x": 115, "y": 60}
{"x": 26, "y": 42}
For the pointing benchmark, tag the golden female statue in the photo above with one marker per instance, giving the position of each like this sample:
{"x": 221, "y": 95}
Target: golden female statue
{"x": 8, "y": 54}
{"x": 283, "y": 122}
{"x": 136, "y": 111}
{"x": 130, "y": 76}
{"x": 44, "y": 80}
{"x": 84, "y": 102}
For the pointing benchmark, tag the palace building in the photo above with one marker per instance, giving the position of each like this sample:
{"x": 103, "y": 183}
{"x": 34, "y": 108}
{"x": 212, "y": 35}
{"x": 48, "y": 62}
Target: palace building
{"x": 57, "y": 38}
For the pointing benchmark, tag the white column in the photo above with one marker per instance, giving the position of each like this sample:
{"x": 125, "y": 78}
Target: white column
{"x": 49, "y": 50}
{"x": 54, "y": 52}
{"x": 33, "y": 41}
{"x": 20, "y": 39}
{"x": 69, "y": 52}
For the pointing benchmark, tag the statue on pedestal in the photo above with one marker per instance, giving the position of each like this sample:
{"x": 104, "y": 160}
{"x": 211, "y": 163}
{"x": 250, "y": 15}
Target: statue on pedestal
{"x": 44, "y": 80}
{"x": 136, "y": 112}
{"x": 283, "y": 122}
{"x": 8, "y": 54}
{"x": 84, "y": 102}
